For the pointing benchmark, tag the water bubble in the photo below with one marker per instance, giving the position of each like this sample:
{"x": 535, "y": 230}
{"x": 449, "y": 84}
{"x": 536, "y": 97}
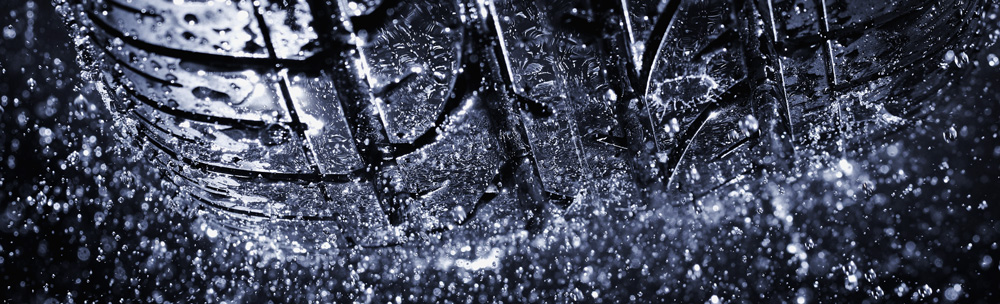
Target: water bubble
{"x": 953, "y": 293}
{"x": 83, "y": 253}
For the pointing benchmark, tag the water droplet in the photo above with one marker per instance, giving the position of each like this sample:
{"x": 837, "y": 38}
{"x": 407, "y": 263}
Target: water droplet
{"x": 961, "y": 59}
{"x": 276, "y": 134}
{"x": 846, "y": 167}
{"x": 749, "y": 125}
{"x": 212, "y": 233}
{"x": 992, "y": 60}
{"x": 949, "y": 56}
{"x": 9, "y": 32}
{"x": 925, "y": 290}
{"x": 951, "y": 134}
{"x": 851, "y": 282}
{"x": 610, "y": 95}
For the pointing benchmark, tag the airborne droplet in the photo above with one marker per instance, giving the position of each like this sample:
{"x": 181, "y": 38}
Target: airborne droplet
{"x": 951, "y": 134}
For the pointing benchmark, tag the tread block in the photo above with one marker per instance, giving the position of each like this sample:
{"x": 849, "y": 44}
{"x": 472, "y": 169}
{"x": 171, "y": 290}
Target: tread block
{"x": 559, "y": 82}
{"x": 441, "y": 182}
{"x": 244, "y": 94}
{"x": 319, "y": 109}
{"x": 412, "y": 65}
{"x": 249, "y": 149}
{"x": 289, "y": 24}
{"x": 211, "y": 27}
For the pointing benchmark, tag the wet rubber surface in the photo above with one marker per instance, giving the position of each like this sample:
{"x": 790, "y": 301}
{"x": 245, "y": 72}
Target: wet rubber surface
{"x": 899, "y": 213}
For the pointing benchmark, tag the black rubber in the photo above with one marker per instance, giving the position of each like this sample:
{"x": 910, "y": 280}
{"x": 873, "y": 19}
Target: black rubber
{"x": 379, "y": 122}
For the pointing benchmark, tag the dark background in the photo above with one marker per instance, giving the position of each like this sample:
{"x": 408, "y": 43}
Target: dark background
{"x": 83, "y": 220}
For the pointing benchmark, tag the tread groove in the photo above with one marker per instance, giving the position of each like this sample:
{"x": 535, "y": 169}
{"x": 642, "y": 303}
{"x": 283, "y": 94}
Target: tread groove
{"x": 824, "y": 27}
{"x": 507, "y": 74}
{"x": 191, "y": 115}
{"x": 677, "y": 154}
{"x": 655, "y": 43}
